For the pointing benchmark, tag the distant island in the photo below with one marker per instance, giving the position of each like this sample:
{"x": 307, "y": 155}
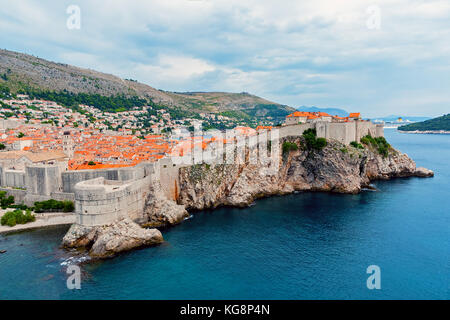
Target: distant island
{"x": 436, "y": 125}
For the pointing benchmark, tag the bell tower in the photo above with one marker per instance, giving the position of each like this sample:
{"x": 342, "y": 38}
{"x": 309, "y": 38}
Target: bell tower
{"x": 68, "y": 146}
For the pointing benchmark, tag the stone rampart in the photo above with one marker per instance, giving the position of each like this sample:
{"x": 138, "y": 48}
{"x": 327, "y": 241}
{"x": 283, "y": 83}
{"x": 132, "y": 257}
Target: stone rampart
{"x": 99, "y": 201}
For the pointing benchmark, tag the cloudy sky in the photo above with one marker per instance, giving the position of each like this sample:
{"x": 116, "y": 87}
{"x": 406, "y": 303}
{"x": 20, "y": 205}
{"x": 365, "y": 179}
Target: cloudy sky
{"x": 377, "y": 57}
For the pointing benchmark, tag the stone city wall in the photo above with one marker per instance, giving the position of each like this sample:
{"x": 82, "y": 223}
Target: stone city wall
{"x": 12, "y": 178}
{"x": 344, "y": 132}
{"x": 18, "y": 194}
{"x": 99, "y": 201}
{"x": 104, "y": 195}
{"x": 42, "y": 179}
{"x": 71, "y": 178}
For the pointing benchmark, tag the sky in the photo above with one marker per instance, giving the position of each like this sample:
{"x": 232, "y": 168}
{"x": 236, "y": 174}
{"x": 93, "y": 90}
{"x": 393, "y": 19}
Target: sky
{"x": 386, "y": 57}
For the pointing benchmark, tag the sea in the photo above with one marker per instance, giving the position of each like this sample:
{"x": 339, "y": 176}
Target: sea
{"x": 299, "y": 246}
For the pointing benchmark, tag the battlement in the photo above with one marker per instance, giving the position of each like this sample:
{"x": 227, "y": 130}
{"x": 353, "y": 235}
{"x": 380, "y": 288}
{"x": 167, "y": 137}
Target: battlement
{"x": 344, "y": 132}
{"x": 104, "y": 195}
{"x": 100, "y": 201}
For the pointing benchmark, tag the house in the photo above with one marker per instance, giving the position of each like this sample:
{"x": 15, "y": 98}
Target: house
{"x": 18, "y": 159}
{"x": 297, "y": 117}
{"x": 21, "y": 143}
{"x": 324, "y": 116}
{"x": 303, "y": 117}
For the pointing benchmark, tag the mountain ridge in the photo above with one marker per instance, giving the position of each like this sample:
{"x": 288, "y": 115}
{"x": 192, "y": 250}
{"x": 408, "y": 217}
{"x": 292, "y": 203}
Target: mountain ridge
{"x": 19, "y": 70}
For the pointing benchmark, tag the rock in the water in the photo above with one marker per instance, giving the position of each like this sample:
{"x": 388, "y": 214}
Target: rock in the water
{"x": 424, "y": 172}
{"x": 108, "y": 240}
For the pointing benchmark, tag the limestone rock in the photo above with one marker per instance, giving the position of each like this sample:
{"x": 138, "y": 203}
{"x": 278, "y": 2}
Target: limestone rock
{"x": 79, "y": 236}
{"x": 108, "y": 240}
{"x": 424, "y": 172}
{"x": 335, "y": 168}
{"x": 160, "y": 211}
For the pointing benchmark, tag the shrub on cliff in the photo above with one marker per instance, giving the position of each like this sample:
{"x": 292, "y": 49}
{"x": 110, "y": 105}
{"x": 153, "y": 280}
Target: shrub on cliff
{"x": 12, "y": 218}
{"x": 356, "y": 145}
{"x": 320, "y": 143}
{"x": 311, "y": 140}
{"x": 367, "y": 140}
{"x": 379, "y": 143}
{"x": 289, "y": 146}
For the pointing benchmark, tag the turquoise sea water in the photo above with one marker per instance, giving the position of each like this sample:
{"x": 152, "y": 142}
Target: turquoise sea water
{"x": 300, "y": 246}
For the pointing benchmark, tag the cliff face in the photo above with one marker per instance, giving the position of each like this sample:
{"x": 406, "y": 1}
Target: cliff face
{"x": 160, "y": 211}
{"x": 335, "y": 168}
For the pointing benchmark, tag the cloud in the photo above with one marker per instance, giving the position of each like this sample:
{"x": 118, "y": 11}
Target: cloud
{"x": 171, "y": 71}
{"x": 313, "y": 52}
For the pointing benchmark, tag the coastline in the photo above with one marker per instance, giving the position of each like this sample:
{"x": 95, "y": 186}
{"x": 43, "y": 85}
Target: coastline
{"x": 42, "y": 221}
{"x": 426, "y": 132}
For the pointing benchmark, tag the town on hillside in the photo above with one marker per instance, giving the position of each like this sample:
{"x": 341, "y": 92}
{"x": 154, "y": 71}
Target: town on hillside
{"x": 43, "y": 132}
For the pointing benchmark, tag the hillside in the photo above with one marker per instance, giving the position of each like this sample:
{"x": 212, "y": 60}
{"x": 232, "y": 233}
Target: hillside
{"x": 436, "y": 124}
{"x": 21, "y": 72}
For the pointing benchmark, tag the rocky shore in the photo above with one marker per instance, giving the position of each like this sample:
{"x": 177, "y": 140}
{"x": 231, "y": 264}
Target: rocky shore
{"x": 335, "y": 168}
{"x": 108, "y": 240}
{"x": 426, "y": 131}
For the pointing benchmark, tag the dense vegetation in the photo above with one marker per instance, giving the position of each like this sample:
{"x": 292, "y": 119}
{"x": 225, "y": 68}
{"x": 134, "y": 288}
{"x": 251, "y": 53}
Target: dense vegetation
{"x": 5, "y": 201}
{"x": 289, "y": 146}
{"x": 115, "y": 103}
{"x": 379, "y": 143}
{"x": 356, "y": 145}
{"x": 311, "y": 140}
{"x": 440, "y": 123}
{"x": 40, "y": 206}
{"x": 54, "y": 206}
{"x": 4, "y": 91}
{"x": 11, "y": 218}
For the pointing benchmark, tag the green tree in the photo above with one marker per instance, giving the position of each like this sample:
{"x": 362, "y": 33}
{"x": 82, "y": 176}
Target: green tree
{"x": 289, "y": 146}
{"x": 312, "y": 142}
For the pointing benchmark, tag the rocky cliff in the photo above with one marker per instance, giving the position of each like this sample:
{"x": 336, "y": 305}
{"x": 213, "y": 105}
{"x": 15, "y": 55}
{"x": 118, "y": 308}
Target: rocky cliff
{"x": 335, "y": 168}
{"x": 160, "y": 211}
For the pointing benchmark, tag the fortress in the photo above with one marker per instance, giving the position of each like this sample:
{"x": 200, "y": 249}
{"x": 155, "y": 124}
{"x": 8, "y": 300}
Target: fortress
{"x": 102, "y": 196}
